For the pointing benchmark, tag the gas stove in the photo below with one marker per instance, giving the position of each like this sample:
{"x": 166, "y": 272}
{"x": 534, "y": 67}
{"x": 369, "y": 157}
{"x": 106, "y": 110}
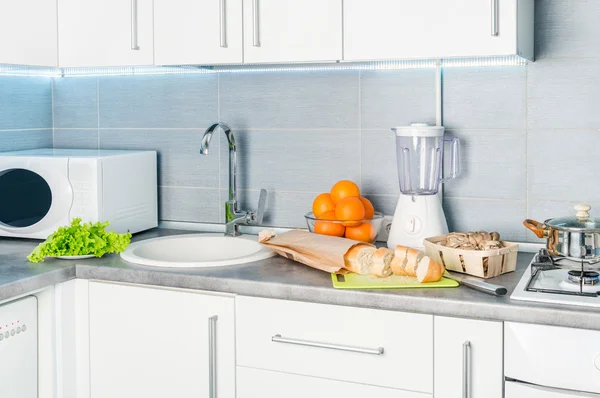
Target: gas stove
{"x": 560, "y": 281}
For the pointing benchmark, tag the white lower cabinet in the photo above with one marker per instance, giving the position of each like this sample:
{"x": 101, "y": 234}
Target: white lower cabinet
{"x": 357, "y": 345}
{"x": 468, "y": 358}
{"x": 254, "y": 383}
{"x": 155, "y": 342}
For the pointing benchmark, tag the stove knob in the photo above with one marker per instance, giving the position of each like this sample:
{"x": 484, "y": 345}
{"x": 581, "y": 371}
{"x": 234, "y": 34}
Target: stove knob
{"x": 597, "y": 362}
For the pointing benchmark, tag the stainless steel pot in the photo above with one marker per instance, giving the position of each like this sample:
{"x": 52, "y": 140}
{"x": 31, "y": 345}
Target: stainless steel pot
{"x": 576, "y": 238}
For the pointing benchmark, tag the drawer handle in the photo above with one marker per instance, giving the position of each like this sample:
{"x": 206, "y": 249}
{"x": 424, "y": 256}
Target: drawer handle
{"x": 373, "y": 351}
{"x": 212, "y": 356}
{"x": 466, "y": 388}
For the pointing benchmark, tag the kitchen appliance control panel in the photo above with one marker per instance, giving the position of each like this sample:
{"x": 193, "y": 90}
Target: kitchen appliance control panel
{"x": 18, "y": 348}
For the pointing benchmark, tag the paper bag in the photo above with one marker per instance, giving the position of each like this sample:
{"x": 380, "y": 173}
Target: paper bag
{"x": 322, "y": 252}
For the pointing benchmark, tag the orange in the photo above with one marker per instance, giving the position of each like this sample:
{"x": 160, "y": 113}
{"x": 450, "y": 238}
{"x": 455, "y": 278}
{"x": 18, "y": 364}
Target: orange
{"x": 351, "y": 210}
{"x": 329, "y": 228}
{"x": 329, "y": 215}
{"x": 369, "y": 209}
{"x": 364, "y": 232}
{"x": 322, "y": 204}
{"x": 343, "y": 189}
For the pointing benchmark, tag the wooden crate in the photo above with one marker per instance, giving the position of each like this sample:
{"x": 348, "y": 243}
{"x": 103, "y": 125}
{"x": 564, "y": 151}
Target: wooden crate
{"x": 484, "y": 263}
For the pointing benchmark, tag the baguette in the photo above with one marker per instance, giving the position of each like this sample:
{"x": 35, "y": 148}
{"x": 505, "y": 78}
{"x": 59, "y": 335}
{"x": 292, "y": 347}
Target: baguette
{"x": 429, "y": 270}
{"x": 406, "y": 261}
{"x": 381, "y": 262}
{"x": 359, "y": 259}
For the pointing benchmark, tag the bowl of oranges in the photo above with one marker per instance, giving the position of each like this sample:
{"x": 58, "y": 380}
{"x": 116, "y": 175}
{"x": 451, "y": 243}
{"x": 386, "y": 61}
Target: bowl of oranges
{"x": 344, "y": 213}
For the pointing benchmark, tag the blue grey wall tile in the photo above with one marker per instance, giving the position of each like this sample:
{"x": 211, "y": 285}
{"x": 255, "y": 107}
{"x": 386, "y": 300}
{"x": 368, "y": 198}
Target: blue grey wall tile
{"x": 490, "y": 97}
{"x": 305, "y": 160}
{"x": 566, "y": 28}
{"x": 379, "y": 166}
{"x": 290, "y": 100}
{"x": 76, "y": 103}
{"x": 17, "y": 140}
{"x": 493, "y": 165}
{"x": 504, "y": 216}
{"x": 563, "y": 165}
{"x": 396, "y": 98}
{"x": 76, "y": 139}
{"x": 283, "y": 209}
{"x": 179, "y": 160}
{"x": 25, "y": 102}
{"x": 563, "y": 94}
{"x": 167, "y": 101}
{"x": 189, "y": 204}
{"x": 385, "y": 204}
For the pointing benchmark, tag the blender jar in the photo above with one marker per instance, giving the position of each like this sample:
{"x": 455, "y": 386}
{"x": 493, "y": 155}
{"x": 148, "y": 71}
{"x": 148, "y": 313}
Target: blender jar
{"x": 420, "y": 153}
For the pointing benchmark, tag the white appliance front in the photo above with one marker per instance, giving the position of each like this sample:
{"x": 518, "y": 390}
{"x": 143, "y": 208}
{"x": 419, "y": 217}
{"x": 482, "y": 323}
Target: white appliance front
{"x": 19, "y": 349}
{"x": 43, "y": 189}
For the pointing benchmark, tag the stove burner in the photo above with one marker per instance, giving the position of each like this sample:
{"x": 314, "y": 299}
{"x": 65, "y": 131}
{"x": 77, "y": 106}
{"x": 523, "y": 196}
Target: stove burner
{"x": 589, "y": 277}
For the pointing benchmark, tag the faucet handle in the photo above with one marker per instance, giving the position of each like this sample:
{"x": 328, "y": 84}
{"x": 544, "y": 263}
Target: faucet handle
{"x": 262, "y": 202}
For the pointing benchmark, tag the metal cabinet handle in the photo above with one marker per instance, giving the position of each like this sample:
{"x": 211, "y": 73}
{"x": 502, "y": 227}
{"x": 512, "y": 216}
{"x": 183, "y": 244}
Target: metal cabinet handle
{"x": 373, "y": 351}
{"x": 134, "y": 25}
{"x": 255, "y": 21}
{"x": 494, "y": 7}
{"x": 212, "y": 356}
{"x": 466, "y": 380}
{"x": 223, "y": 23}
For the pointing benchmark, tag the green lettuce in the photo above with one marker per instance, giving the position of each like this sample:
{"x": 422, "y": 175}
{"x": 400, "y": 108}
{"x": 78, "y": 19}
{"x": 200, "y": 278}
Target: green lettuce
{"x": 80, "y": 239}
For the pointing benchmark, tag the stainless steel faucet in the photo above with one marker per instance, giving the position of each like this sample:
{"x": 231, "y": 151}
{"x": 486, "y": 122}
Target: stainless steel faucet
{"x": 234, "y": 217}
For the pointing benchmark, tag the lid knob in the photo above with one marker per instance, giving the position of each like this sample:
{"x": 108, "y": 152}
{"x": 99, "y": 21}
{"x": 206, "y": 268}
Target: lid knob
{"x": 583, "y": 211}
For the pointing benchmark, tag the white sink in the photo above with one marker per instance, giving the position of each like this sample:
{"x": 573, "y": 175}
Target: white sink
{"x": 196, "y": 251}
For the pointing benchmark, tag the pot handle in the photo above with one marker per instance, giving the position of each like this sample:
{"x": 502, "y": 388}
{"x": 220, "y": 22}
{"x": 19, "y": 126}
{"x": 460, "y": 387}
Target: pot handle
{"x": 537, "y": 228}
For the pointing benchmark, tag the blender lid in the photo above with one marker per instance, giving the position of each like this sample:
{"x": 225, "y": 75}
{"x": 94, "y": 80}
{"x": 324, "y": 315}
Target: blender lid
{"x": 418, "y": 130}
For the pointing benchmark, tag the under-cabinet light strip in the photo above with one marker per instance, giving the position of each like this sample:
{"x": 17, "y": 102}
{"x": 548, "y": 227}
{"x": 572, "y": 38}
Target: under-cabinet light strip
{"x": 11, "y": 70}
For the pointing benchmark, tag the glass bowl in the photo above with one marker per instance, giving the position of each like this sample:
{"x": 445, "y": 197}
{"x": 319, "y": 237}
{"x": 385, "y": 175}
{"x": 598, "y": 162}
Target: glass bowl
{"x": 364, "y": 230}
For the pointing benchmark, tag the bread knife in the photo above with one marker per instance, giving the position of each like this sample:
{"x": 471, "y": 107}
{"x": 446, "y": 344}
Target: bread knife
{"x": 479, "y": 285}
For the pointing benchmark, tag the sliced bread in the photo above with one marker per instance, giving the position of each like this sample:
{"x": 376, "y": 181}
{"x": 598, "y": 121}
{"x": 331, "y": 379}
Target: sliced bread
{"x": 406, "y": 261}
{"x": 382, "y": 259}
{"x": 429, "y": 270}
{"x": 359, "y": 259}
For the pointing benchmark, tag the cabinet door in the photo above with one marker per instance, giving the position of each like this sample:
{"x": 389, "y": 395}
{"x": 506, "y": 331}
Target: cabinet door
{"x": 292, "y": 30}
{"x": 468, "y": 352}
{"x": 154, "y": 343}
{"x": 105, "y": 33}
{"x": 253, "y": 383}
{"x": 408, "y": 29}
{"x": 192, "y": 32}
{"x": 28, "y": 31}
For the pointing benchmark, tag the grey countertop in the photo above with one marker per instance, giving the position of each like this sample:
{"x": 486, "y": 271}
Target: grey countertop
{"x": 281, "y": 278}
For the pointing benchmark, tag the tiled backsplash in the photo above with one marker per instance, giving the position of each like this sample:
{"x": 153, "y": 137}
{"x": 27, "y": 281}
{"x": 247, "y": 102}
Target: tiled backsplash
{"x": 25, "y": 113}
{"x": 530, "y": 134}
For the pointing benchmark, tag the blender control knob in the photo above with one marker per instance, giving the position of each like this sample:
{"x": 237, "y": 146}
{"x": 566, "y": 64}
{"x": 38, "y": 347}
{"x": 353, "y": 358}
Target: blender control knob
{"x": 413, "y": 225}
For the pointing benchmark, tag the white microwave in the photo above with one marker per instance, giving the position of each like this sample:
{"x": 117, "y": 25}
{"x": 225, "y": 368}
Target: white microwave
{"x": 43, "y": 189}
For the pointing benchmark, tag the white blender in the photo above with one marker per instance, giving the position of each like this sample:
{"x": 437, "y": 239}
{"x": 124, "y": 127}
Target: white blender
{"x": 420, "y": 156}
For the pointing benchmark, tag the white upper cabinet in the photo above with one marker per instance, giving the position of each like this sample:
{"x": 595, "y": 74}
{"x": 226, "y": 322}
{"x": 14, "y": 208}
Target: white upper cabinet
{"x": 156, "y": 343}
{"x": 409, "y": 29}
{"x": 192, "y": 32}
{"x": 468, "y": 355}
{"x": 28, "y": 31}
{"x": 105, "y": 33}
{"x": 292, "y": 31}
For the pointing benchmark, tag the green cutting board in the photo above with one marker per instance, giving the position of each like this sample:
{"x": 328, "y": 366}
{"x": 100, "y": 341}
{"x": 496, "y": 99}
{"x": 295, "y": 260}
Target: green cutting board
{"x": 357, "y": 281}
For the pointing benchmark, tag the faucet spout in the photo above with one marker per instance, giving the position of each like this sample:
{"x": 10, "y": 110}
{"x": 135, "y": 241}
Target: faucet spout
{"x": 206, "y": 138}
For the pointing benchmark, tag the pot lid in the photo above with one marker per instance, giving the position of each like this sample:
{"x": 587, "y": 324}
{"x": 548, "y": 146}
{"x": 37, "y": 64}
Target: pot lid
{"x": 581, "y": 220}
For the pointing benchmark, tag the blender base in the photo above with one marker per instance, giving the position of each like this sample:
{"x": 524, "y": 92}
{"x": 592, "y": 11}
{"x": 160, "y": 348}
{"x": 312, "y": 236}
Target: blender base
{"x": 417, "y": 218}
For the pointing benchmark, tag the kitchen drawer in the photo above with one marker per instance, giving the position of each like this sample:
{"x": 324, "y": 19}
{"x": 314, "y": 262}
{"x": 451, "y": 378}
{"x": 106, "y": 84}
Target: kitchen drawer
{"x": 406, "y": 339}
{"x": 552, "y": 356}
{"x": 254, "y": 383}
{"x": 521, "y": 390}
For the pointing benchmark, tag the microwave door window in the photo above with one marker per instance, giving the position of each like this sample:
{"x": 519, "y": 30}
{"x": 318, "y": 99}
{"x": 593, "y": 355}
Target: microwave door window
{"x": 25, "y": 198}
